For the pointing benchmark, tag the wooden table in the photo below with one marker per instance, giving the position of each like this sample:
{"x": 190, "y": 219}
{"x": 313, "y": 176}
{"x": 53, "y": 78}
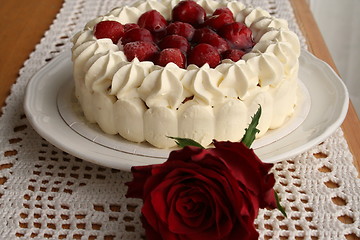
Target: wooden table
{"x": 23, "y": 24}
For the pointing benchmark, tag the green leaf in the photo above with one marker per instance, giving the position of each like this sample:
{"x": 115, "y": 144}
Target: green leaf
{"x": 183, "y": 142}
{"x": 251, "y": 131}
{"x": 279, "y": 207}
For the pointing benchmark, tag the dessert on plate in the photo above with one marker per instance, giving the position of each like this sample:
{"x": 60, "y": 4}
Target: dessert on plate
{"x": 192, "y": 69}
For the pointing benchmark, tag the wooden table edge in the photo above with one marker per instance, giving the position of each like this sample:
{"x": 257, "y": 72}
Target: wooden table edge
{"x": 317, "y": 45}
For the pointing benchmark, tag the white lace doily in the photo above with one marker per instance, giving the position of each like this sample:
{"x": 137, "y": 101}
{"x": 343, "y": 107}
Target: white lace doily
{"x": 46, "y": 193}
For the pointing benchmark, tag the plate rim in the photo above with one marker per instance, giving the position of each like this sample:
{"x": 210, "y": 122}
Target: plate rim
{"x": 106, "y": 158}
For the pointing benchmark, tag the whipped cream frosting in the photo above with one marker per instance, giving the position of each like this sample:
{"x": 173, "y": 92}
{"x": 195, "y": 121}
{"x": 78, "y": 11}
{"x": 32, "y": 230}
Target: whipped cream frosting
{"x": 162, "y": 87}
{"x": 145, "y": 102}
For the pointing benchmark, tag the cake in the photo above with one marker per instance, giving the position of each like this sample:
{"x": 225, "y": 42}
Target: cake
{"x": 188, "y": 91}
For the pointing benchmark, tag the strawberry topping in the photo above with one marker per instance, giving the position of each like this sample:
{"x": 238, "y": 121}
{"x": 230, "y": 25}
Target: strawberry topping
{"x": 223, "y": 10}
{"x": 191, "y": 37}
{"x": 238, "y": 35}
{"x": 153, "y": 21}
{"x": 233, "y": 54}
{"x": 137, "y": 34}
{"x": 208, "y": 36}
{"x": 109, "y": 29}
{"x": 189, "y": 12}
{"x": 182, "y": 29}
{"x": 217, "y": 21}
{"x": 175, "y": 41}
{"x": 204, "y": 53}
{"x": 144, "y": 51}
{"x": 129, "y": 26}
{"x": 201, "y": 33}
{"x": 173, "y": 55}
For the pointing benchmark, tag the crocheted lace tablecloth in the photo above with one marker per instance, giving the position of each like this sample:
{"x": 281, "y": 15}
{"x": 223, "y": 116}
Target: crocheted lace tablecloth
{"x": 46, "y": 193}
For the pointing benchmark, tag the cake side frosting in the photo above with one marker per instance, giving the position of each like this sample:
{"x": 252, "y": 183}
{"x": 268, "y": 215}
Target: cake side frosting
{"x": 142, "y": 101}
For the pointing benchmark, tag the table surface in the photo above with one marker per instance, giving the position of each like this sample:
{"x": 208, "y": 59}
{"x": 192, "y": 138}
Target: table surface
{"x": 18, "y": 39}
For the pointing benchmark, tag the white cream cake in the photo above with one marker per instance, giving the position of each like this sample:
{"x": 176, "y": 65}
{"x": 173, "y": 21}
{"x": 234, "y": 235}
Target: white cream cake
{"x": 145, "y": 102}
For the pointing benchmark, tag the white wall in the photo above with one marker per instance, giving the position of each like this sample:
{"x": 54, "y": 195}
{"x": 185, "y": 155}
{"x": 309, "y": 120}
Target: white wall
{"x": 339, "y": 23}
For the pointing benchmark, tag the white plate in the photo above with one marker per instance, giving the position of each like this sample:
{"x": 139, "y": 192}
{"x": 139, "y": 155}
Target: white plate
{"x": 54, "y": 114}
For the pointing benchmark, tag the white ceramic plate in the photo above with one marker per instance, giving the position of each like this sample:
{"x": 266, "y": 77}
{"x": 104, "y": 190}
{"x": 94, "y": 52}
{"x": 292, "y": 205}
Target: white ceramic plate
{"x": 53, "y": 112}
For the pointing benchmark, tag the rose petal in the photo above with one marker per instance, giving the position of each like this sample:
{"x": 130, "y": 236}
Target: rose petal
{"x": 251, "y": 171}
{"x": 150, "y": 215}
{"x": 189, "y": 213}
{"x": 244, "y": 228}
{"x": 159, "y": 198}
{"x": 221, "y": 209}
{"x": 136, "y": 186}
{"x": 151, "y": 234}
{"x": 192, "y": 204}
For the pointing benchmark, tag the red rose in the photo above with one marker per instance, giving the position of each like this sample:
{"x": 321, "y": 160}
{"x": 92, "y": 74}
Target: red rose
{"x": 204, "y": 193}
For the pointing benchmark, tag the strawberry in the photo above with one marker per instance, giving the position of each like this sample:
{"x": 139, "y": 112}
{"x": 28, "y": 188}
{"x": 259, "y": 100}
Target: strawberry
{"x": 216, "y": 37}
{"x": 233, "y": 54}
{"x": 204, "y": 53}
{"x": 175, "y": 41}
{"x": 217, "y": 21}
{"x": 223, "y": 10}
{"x": 129, "y": 26}
{"x": 137, "y": 34}
{"x": 171, "y": 55}
{"x": 152, "y": 20}
{"x": 219, "y": 43}
{"x": 238, "y": 35}
{"x": 208, "y": 36}
{"x": 109, "y": 29}
{"x": 182, "y": 29}
{"x": 158, "y": 36}
{"x": 144, "y": 51}
{"x": 201, "y": 33}
{"x": 189, "y": 12}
